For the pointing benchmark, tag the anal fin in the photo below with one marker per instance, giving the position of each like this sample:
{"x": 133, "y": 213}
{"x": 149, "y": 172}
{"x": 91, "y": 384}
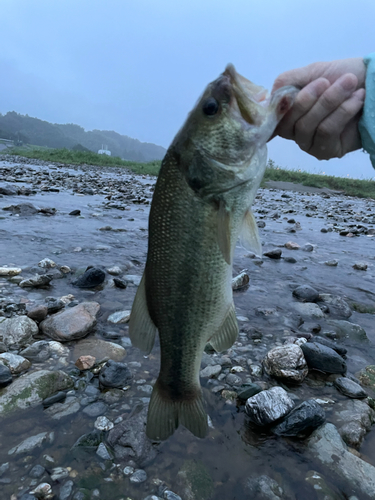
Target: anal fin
{"x": 165, "y": 415}
{"x": 226, "y": 335}
{"x": 142, "y": 330}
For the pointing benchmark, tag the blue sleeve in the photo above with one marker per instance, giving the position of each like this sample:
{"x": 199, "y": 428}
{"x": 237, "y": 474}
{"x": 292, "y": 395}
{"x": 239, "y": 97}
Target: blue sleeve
{"x": 366, "y": 124}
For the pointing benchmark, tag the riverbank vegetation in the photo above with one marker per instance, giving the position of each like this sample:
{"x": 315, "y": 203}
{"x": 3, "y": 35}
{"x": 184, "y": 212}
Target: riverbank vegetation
{"x": 351, "y": 187}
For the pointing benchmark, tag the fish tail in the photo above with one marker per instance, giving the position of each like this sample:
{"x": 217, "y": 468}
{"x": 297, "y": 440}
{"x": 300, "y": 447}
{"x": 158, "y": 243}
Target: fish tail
{"x": 165, "y": 415}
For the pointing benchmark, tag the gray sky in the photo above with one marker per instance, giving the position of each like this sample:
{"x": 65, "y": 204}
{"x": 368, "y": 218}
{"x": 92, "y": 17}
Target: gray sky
{"x": 138, "y": 66}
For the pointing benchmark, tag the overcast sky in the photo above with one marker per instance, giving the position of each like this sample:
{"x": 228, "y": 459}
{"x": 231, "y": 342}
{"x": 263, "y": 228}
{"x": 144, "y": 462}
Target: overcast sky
{"x": 138, "y": 66}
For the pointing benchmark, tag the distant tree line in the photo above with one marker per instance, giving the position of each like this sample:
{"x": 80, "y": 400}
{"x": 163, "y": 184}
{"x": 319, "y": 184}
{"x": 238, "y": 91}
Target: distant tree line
{"x": 26, "y": 130}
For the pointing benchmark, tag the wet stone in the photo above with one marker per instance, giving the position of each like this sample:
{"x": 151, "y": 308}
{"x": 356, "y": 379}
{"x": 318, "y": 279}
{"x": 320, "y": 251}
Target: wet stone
{"x": 286, "y": 362}
{"x": 5, "y": 376}
{"x": 360, "y": 266}
{"x": 211, "y": 371}
{"x": 54, "y": 305}
{"x": 60, "y": 410}
{"x": 37, "y": 352}
{"x": 138, "y": 477}
{"x": 323, "y": 358}
{"x": 37, "y": 471}
{"x": 103, "y": 453}
{"x": 345, "y": 329}
{"x": 273, "y": 254}
{"x": 16, "y": 364}
{"x": 302, "y": 420}
{"x": 95, "y": 409}
{"x": 248, "y": 391}
{"x": 350, "y": 388}
{"x": 268, "y": 406}
{"x": 330, "y": 343}
{"x": 91, "y": 278}
{"x": 32, "y": 442}
{"x": 120, "y": 283}
{"x": 59, "y": 397}
{"x": 354, "y": 419}
{"x": 38, "y": 313}
{"x": 115, "y": 374}
{"x": 169, "y": 495}
{"x": 39, "y": 280}
{"x": 337, "y": 305}
{"x": 306, "y": 293}
{"x": 264, "y": 488}
{"x": 66, "y": 490}
{"x": 18, "y": 331}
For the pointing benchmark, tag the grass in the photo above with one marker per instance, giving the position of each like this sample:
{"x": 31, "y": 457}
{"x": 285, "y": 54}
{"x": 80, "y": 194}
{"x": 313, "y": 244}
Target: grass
{"x": 84, "y": 157}
{"x": 351, "y": 187}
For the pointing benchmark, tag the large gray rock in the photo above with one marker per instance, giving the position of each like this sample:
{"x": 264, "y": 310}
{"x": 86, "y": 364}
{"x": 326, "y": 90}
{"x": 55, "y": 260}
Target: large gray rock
{"x": 308, "y": 309}
{"x": 268, "y": 406}
{"x": 328, "y": 448}
{"x": 347, "y": 330}
{"x": 37, "y": 281}
{"x": 353, "y": 419}
{"x": 302, "y": 420}
{"x": 129, "y": 441}
{"x": 30, "y": 389}
{"x": 264, "y": 488}
{"x": 348, "y": 388}
{"x": 37, "y": 352}
{"x": 18, "y": 331}
{"x": 60, "y": 410}
{"x": 72, "y": 323}
{"x": 306, "y": 293}
{"x": 286, "y": 362}
{"x": 100, "y": 349}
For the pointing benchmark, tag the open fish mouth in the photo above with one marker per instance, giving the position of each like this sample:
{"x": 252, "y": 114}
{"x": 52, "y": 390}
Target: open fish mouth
{"x": 249, "y": 96}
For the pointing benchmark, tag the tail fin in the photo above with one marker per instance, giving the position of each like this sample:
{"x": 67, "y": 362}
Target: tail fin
{"x": 165, "y": 415}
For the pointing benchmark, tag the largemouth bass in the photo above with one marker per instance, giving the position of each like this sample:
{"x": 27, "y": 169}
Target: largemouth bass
{"x": 202, "y": 200}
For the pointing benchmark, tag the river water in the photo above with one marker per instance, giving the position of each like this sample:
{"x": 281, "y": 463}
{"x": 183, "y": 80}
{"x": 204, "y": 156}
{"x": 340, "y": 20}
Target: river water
{"x": 234, "y": 451}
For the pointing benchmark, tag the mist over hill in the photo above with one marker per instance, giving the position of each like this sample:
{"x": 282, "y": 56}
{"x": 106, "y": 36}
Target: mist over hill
{"x": 26, "y": 130}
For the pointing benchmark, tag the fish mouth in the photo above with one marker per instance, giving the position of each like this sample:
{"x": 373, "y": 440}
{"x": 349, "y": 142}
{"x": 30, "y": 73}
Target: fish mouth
{"x": 249, "y": 96}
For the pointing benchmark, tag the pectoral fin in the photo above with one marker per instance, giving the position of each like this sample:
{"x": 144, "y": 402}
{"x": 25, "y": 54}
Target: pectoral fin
{"x": 142, "y": 330}
{"x": 223, "y": 232}
{"x": 249, "y": 236}
{"x": 226, "y": 335}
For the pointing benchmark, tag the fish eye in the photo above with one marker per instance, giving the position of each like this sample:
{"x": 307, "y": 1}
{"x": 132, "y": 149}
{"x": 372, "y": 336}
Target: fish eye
{"x": 210, "y": 107}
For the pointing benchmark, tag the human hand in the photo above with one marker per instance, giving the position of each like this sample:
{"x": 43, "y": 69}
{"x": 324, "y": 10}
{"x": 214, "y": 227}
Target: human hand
{"x": 324, "y": 118}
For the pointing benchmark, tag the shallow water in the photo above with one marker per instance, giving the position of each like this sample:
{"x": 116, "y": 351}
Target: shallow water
{"x": 233, "y": 451}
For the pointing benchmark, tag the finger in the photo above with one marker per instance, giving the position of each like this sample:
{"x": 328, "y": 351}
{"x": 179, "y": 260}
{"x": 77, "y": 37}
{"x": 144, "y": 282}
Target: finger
{"x": 298, "y": 77}
{"x": 329, "y": 101}
{"x": 305, "y": 100}
{"x": 334, "y": 137}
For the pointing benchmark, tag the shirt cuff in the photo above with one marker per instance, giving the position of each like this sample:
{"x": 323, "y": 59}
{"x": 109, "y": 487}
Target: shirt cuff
{"x": 366, "y": 124}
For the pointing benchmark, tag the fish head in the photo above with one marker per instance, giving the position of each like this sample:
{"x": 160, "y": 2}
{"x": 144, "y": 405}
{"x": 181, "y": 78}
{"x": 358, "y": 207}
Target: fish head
{"x": 232, "y": 121}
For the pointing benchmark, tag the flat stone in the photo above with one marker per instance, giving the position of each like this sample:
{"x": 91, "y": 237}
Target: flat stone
{"x": 337, "y": 305}
{"x": 39, "y": 280}
{"x": 264, "y": 488}
{"x": 302, "y": 420}
{"x": 100, "y": 349}
{"x": 85, "y": 362}
{"x": 60, "y": 410}
{"x": 30, "y": 389}
{"x": 10, "y": 271}
{"x": 287, "y": 362}
{"x": 353, "y": 419}
{"x": 331, "y": 263}
{"x": 37, "y": 352}
{"x": 138, "y": 477}
{"x": 327, "y": 447}
{"x": 323, "y": 358}
{"x": 114, "y": 270}
{"x": 268, "y": 406}
{"x": 16, "y": 364}
{"x": 119, "y": 317}
{"x": 350, "y": 388}
{"x": 17, "y": 332}
{"x": 32, "y": 442}
{"x": 103, "y": 452}
{"x": 95, "y": 409}
{"x": 72, "y": 323}
{"x": 210, "y": 371}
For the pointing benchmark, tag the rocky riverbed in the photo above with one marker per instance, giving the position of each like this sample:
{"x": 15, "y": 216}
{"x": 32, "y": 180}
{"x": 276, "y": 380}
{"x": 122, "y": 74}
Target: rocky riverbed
{"x": 290, "y": 404}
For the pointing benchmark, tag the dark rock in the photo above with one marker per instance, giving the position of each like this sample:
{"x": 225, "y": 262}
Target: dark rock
{"x": 309, "y": 327}
{"x": 75, "y": 212}
{"x": 91, "y": 278}
{"x": 38, "y": 313}
{"x": 23, "y": 209}
{"x": 5, "y": 376}
{"x": 290, "y": 260}
{"x": 350, "y": 388}
{"x": 37, "y": 471}
{"x": 129, "y": 441}
{"x": 90, "y": 440}
{"x": 323, "y": 358}
{"x": 274, "y": 254}
{"x": 248, "y": 390}
{"x": 120, "y": 283}
{"x": 330, "y": 343}
{"x": 54, "y": 305}
{"x": 8, "y": 190}
{"x": 56, "y": 398}
{"x": 37, "y": 352}
{"x": 306, "y": 293}
{"x": 302, "y": 420}
{"x": 115, "y": 374}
